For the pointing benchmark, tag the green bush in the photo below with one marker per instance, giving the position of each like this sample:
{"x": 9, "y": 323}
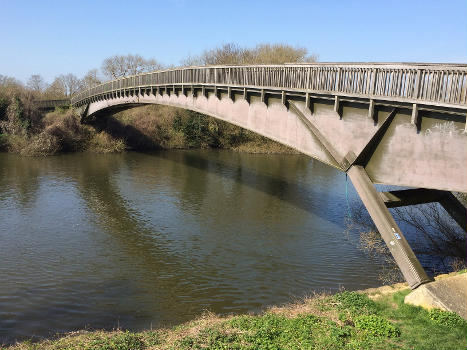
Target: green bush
{"x": 446, "y": 318}
{"x": 355, "y": 303}
{"x": 376, "y": 326}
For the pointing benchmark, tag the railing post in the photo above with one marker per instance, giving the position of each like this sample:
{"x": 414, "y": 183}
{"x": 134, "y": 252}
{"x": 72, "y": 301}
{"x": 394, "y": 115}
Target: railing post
{"x": 373, "y": 81}
{"x": 418, "y": 81}
{"x": 338, "y": 79}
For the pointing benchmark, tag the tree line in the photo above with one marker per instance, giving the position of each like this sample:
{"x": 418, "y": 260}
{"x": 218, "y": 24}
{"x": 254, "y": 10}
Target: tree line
{"x": 117, "y": 66}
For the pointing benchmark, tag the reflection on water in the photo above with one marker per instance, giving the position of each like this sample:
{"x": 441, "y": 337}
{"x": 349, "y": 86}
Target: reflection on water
{"x": 139, "y": 240}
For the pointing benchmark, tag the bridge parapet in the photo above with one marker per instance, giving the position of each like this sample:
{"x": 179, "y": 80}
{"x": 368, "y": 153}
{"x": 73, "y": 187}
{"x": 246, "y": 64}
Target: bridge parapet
{"x": 441, "y": 85}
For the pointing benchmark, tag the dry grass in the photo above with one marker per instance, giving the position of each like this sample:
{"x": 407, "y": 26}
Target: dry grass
{"x": 193, "y": 329}
{"x": 104, "y": 143}
{"x": 314, "y": 304}
{"x": 264, "y": 147}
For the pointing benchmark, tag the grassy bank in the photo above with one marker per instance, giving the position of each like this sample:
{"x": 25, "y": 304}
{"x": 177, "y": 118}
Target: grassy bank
{"x": 347, "y": 320}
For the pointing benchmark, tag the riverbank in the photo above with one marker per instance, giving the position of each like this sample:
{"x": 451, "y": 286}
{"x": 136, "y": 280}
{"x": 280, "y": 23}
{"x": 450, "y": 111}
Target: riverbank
{"x": 144, "y": 128}
{"x": 373, "y": 319}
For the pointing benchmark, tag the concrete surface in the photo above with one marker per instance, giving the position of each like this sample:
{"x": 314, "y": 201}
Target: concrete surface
{"x": 449, "y": 293}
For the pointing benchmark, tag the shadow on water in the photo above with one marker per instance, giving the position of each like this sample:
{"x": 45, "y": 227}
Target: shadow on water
{"x": 317, "y": 199}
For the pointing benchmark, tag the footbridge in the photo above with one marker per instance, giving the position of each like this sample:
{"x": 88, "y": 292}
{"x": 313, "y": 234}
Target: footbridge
{"x": 400, "y": 124}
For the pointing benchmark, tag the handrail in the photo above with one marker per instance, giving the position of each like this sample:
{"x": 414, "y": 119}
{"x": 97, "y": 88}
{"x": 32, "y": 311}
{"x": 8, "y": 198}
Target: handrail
{"x": 428, "y": 83}
{"x": 52, "y": 103}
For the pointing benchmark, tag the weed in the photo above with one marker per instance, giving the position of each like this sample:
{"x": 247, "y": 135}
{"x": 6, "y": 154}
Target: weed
{"x": 376, "y": 326}
{"x": 120, "y": 341}
{"x": 354, "y": 303}
{"x": 446, "y": 318}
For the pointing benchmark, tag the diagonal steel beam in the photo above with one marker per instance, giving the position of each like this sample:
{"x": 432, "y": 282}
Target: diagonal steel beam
{"x": 400, "y": 249}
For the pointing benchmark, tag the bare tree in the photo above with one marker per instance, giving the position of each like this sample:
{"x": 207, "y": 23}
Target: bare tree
{"x": 152, "y": 65}
{"x": 71, "y": 83}
{"x": 114, "y": 67}
{"x": 65, "y": 85}
{"x": 56, "y": 90}
{"x": 261, "y": 54}
{"x": 10, "y": 86}
{"x": 36, "y": 83}
{"x": 281, "y": 53}
{"x": 121, "y": 66}
{"x": 135, "y": 64}
{"x": 91, "y": 79}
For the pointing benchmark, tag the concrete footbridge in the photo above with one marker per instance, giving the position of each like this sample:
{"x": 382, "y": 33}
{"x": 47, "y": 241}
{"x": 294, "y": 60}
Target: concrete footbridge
{"x": 398, "y": 124}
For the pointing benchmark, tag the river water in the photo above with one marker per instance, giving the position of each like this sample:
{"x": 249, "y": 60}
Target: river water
{"x": 143, "y": 240}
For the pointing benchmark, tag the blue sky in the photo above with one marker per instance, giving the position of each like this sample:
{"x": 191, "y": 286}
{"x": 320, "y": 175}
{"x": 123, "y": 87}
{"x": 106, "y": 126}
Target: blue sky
{"x": 53, "y": 37}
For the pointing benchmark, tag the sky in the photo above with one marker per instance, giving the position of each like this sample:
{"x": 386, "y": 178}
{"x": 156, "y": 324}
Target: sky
{"x": 50, "y": 37}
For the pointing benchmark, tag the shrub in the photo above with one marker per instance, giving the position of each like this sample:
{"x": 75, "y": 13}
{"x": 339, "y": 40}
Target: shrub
{"x": 446, "y": 318}
{"x": 104, "y": 143}
{"x": 15, "y": 122}
{"x": 376, "y": 326}
{"x": 67, "y": 127}
{"x": 41, "y": 145}
{"x": 355, "y": 303}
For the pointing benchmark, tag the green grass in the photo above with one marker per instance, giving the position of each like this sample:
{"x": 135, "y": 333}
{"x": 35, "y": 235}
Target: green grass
{"x": 347, "y": 320}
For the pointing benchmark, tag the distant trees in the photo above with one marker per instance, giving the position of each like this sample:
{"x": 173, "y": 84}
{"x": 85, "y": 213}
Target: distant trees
{"x": 260, "y": 54}
{"x": 55, "y": 91}
{"x": 121, "y": 66}
{"x": 91, "y": 79}
{"x": 71, "y": 83}
{"x": 64, "y": 85}
{"x": 36, "y": 83}
{"x": 10, "y": 86}
{"x": 117, "y": 66}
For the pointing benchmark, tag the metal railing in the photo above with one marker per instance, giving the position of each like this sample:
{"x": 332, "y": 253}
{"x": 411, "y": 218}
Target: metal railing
{"x": 45, "y": 104}
{"x": 432, "y": 84}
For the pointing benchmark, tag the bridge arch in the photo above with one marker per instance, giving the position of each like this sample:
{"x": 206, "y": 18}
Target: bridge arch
{"x": 274, "y": 120}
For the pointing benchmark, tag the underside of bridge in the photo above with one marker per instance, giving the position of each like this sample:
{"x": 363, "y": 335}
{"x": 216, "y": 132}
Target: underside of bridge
{"x": 387, "y": 140}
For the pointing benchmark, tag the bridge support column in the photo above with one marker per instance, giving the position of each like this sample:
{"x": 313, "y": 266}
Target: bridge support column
{"x": 400, "y": 249}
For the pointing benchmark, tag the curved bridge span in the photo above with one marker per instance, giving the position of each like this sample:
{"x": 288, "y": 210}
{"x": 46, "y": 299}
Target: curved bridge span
{"x": 394, "y": 124}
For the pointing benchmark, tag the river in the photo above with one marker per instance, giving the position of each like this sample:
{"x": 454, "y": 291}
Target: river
{"x": 143, "y": 240}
